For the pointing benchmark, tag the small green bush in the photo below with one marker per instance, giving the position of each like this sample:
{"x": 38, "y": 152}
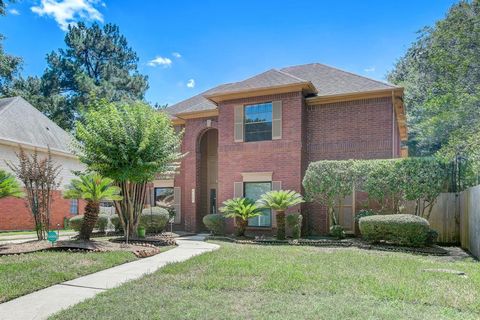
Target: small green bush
{"x": 401, "y": 229}
{"x": 364, "y": 213}
{"x": 294, "y": 223}
{"x": 115, "y": 220}
{"x": 154, "y": 219}
{"x": 215, "y": 223}
{"x": 76, "y": 222}
{"x": 102, "y": 222}
{"x": 432, "y": 237}
{"x": 337, "y": 231}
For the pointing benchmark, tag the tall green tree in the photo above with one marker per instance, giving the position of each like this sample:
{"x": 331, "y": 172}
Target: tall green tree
{"x": 93, "y": 188}
{"x": 129, "y": 143}
{"x": 9, "y": 187}
{"x": 97, "y": 63}
{"x": 441, "y": 76}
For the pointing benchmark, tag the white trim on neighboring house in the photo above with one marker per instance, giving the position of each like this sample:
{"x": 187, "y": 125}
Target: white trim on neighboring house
{"x": 16, "y": 143}
{"x": 257, "y": 176}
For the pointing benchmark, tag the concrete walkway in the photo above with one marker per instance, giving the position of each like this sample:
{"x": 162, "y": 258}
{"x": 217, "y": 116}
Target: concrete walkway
{"x": 43, "y": 303}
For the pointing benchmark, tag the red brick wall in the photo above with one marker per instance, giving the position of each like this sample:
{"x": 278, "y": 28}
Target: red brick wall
{"x": 15, "y": 215}
{"x": 360, "y": 129}
{"x": 282, "y": 157}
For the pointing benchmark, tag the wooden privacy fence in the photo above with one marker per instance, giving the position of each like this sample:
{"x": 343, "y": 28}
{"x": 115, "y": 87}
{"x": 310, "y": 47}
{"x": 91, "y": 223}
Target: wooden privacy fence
{"x": 456, "y": 218}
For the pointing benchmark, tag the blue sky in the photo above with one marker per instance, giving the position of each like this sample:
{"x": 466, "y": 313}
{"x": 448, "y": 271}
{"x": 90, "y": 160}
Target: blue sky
{"x": 186, "y": 47}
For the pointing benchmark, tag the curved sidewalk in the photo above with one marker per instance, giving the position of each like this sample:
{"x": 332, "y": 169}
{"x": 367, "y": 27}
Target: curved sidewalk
{"x": 43, "y": 303}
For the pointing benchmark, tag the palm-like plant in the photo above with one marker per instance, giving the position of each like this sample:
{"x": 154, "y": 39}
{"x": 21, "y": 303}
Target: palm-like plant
{"x": 9, "y": 187}
{"x": 241, "y": 209}
{"x": 93, "y": 188}
{"x": 279, "y": 201}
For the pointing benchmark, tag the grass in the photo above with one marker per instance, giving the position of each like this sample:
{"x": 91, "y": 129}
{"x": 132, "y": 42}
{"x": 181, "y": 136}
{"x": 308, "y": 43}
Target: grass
{"x": 282, "y": 282}
{"x": 33, "y": 233}
{"x": 22, "y": 274}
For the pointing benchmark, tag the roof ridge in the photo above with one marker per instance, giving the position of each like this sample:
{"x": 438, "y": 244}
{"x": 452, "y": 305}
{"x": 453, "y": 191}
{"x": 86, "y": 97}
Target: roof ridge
{"x": 344, "y": 71}
{"x": 290, "y": 75}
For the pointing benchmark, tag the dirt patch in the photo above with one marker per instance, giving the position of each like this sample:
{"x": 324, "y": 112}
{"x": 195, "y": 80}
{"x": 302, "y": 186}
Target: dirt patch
{"x": 141, "y": 250}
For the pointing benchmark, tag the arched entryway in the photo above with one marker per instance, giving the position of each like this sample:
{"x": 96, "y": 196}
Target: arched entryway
{"x": 207, "y": 175}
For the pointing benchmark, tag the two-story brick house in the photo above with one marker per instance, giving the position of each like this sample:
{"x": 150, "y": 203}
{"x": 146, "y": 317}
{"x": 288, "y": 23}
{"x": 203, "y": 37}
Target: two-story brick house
{"x": 259, "y": 134}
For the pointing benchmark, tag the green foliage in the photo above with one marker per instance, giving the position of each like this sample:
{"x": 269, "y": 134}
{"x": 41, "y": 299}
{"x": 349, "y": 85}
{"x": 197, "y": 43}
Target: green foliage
{"x": 115, "y": 221}
{"x": 294, "y": 223}
{"x": 364, "y": 213}
{"x": 337, "y": 231}
{"x": 92, "y": 187}
{"x": 389, "y": 182}
{"x": 102, "y": 222}
{"x": 76, "y": 222}
{"x": 128, "y": 142}
{"x": 442, "y": 82}
{"x": 215, "y": 223}
{"x": 432, "y": 237}
{"x": 9, "y": 187}
{"x": 154, "y": 219}
{"x": 279, "y": 201}
{"x": 97, "y": 63}
{"x": 401, "y": 229}
{"x": 241, "y": 209}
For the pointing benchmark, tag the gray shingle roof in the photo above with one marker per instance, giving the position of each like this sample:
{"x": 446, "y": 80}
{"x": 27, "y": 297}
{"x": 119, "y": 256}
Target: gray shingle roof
{"x": 23, "y": 123}
{"x": 327, "y": 80}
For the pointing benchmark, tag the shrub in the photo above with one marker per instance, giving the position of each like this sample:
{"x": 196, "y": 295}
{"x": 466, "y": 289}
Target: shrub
{"x": 102, "y": 222}
{"x": 364, "y": 213}
{"x": 337, "y": 231}
{"x": 154, "y": 219}
{"x": 215, "y": 223}
{"x": 401, "y": 229}
{"x": 76, "y": 222}
{"x": 115, "y": 220}
{"x": 432, "y": 237}
{"x": 294, "y": 222}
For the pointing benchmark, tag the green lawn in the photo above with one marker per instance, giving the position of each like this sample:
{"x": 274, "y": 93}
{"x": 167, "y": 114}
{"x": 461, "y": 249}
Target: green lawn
{"x": 281, "y": 282}
{"x": 22, "y": 274}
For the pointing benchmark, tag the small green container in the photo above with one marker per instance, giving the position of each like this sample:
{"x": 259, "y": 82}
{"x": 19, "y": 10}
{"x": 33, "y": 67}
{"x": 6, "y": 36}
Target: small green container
{"x": 141, "y": 232}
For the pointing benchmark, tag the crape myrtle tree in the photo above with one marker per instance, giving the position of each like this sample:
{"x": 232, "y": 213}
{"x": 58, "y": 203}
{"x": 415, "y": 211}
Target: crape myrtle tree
{"x": 129, "y": 143}
{"x": 40, "y": 178}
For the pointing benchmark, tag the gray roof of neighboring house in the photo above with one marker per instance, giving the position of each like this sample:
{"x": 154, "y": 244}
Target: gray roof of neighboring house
{"x": 23, "y": 123}
{"x": 327, "y": 80}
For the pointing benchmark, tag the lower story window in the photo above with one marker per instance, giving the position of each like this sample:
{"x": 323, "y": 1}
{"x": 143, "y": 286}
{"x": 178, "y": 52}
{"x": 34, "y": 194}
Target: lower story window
{"x": 163, "y": 197}
{"x": 74, "y": 206}
{"x": 253, "y": 190}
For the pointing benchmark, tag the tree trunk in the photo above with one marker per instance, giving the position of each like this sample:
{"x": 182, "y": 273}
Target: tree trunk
{"x": 280, "y": 225}
{"x": 131, "y": 205}
{"x": 241, "y": 227}
{"x": 90, "y": 219}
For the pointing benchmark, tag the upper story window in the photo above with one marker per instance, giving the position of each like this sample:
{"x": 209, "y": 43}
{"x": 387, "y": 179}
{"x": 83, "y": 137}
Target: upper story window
{"x": 258, "y": 122}
{"x": 73, "y": 206}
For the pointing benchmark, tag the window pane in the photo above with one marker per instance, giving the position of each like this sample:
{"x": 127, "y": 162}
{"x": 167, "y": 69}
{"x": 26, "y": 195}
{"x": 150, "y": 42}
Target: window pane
{"x": 253, "y": 190}
{"x": 163, "y": 197}
{"x": 74, "y": 206}
{"x": 258, "y": 122}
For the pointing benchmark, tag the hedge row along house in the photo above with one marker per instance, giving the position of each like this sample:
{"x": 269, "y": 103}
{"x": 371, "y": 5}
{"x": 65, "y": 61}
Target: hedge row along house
{"x": 248, "y": 137}
{"x": 23, "y": 125}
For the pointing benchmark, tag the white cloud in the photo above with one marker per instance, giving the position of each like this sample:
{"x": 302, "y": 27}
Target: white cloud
{"x": 176, "y": 55}
{"x": 68, "y": 11}
{"x": 15, "y": 12}
{"x": 160, "y": 61}
{"x": 191, "y": 83}
{"x": 369, "y": 69}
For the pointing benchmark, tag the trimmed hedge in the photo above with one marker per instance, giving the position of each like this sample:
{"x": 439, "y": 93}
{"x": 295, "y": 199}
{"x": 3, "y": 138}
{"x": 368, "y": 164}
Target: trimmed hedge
{"x": 215, "y": 223}
{"x": 76, "y": 222}
{"x": 400, "y": 229}
{"x": 294, "y": 223}
{"x": 154, "y": 219}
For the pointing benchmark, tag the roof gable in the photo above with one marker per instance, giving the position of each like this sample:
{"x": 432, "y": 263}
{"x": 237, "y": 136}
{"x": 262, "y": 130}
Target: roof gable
{"x": 22, "y": 123}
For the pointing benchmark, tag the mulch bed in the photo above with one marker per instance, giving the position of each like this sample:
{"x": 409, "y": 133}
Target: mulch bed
{"x": 331, "y": 242}
{"x": 158, "y": 240}
{"x": 141, "y": 250}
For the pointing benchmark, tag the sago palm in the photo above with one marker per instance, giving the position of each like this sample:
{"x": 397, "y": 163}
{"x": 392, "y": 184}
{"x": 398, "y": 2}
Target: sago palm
{"x": 241, "y": 209}
{"x": 9, "y": 187}
{"x": 93, "y": 188}
{"x": 279, "y": 201}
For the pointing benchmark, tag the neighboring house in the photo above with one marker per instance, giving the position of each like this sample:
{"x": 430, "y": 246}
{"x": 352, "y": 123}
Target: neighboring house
{"x": 23, "y": 125}
{"x": 249, "y": 137}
